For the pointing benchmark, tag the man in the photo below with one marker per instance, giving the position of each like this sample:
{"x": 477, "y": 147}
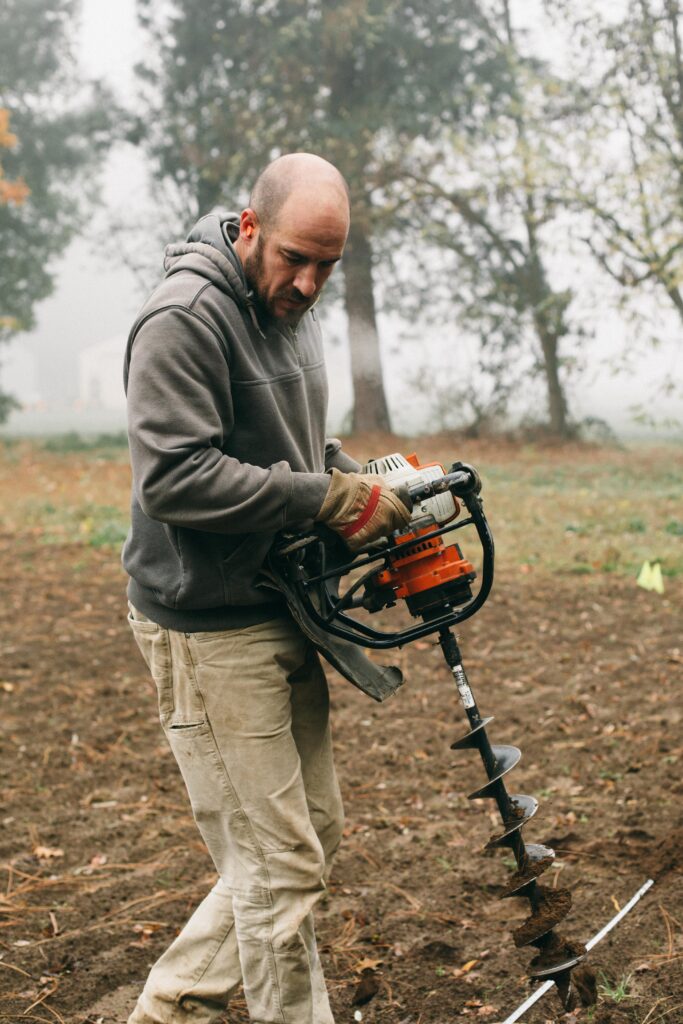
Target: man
{"x": 227, "y": 402}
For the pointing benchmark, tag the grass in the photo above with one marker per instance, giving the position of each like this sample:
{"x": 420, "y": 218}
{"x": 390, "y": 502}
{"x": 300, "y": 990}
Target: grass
{"x": 75, "y": 442}
{"x": 576, "y": 510}
{"x": 598, "y": 511}
{"x": 63, "y": 496}
{"x": 617, "y": 990}
{"x": 92, "y": 524}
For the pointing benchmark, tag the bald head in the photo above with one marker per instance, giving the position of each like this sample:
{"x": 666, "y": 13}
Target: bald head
{"x": 303, "y": 173}
{"x": 293, "y": 233}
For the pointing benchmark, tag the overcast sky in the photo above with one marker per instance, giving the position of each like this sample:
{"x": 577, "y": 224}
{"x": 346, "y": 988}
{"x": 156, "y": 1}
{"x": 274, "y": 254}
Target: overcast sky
{"x": 96, "y": 299}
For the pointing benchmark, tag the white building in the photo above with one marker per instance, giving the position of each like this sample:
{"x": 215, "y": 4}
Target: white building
{"x": 100, "y": 375}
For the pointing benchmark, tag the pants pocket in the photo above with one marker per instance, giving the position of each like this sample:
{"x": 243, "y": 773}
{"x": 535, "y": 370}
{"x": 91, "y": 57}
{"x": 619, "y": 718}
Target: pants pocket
{"x": 155, "y": 648}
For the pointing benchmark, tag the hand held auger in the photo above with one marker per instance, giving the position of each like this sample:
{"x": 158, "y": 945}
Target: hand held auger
{"x": 434, "y": 580}
{"x": 556, "y": 956}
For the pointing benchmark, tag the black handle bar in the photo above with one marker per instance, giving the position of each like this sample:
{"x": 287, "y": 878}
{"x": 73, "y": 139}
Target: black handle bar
{"x": 463, "y": 480}
{"x": 329, "y": 612}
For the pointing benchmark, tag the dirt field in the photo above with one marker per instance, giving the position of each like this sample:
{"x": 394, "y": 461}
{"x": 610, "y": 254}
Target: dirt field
{"x": 581, "y": 668}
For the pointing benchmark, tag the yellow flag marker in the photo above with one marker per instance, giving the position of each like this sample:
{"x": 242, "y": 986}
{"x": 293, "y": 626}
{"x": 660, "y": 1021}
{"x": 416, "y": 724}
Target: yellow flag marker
{"x": 657, "y": 581}
{"x": 650, "y": 577}
{"x": 644, "y": 579}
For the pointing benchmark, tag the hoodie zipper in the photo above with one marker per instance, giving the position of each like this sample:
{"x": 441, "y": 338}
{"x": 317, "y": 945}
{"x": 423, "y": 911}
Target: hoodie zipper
{"x": 295, "y": 342}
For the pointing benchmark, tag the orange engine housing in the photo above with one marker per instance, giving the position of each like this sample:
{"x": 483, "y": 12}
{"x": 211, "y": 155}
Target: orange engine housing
{"x": 426, "y": 565}
{"x": 429, "y": 575}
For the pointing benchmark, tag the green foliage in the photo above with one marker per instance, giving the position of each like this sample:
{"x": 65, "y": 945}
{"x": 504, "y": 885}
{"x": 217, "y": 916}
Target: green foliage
{"x": 62, "y": 128}
{"x": 231, "y": 85}
{"x": 532, "y": 493}
{"x": 579, "y": 529}
{"x": 108, "y": 533}
{"x": 234, "y": 84}
{"x": 72, "y": 441}
{"x": 90, "y": 524}
{"x": 617, "y": 990}
{"x": 630, "y": 62}
{"x": 574, "y": 510}
{"x": 488, "y": 202}
{"x": 7, "y": 403}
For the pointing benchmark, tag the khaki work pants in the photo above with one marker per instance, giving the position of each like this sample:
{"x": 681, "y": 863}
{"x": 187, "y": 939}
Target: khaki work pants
{"x": 246, "y": 714}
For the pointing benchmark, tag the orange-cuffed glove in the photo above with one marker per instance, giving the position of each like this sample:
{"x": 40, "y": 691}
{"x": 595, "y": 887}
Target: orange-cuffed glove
{"x": 360, "y": 508}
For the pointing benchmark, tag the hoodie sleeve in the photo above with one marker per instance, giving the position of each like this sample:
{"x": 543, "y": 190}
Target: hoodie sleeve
{"x": 179, "y": 412}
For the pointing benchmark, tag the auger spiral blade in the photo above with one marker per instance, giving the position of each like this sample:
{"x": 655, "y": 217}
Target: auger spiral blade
{"x": 555, "y": 956}
{"x": 505, "y": 760}
{"x": 470, "y": 741}
{"x": 523, "y": 809}
{"x": 549, "y": 907}
{"x": 538, "y": 859}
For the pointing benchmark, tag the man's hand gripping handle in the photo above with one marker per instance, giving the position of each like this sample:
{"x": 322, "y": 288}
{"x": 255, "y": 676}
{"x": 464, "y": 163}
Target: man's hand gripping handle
{"x": 360, "y": 507}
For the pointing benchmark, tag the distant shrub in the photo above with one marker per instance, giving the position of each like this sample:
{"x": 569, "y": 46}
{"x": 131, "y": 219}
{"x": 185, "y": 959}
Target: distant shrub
{"x": 72, "y": 441}
{"x": 111, "y": 532}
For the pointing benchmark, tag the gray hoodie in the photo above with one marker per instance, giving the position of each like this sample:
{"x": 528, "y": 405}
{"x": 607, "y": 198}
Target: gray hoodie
{"x": 226, "y": 418}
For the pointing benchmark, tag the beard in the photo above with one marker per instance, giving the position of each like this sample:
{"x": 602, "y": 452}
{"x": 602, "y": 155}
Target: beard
{"x": 257, "y": 278}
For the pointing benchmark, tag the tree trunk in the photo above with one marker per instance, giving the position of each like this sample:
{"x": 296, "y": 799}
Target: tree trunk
{"x": 548, "y": 309}
{"x": 208, "y": 195}
{"x": 370, "y": 410}
{"x": 548, "y": 318}
{"x": 676, "y": 297}
{"x": 557, "y": 404}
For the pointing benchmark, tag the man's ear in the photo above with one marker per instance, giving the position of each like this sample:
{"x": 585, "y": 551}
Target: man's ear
{"x": 248, "y": 224}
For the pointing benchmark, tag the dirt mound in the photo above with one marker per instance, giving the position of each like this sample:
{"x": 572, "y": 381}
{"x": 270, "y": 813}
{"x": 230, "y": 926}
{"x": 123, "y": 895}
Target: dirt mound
{"x": 667, "y": 856}
{"x": 441, "y": 952}
{"x": 556, "y": 948}
{"x": 610, "y": 1013}
{"x": 586, "y": 985}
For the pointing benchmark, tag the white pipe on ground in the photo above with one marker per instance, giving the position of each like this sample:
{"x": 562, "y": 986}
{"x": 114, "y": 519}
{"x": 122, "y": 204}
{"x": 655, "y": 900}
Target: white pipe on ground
{"x": 547, "y": 985}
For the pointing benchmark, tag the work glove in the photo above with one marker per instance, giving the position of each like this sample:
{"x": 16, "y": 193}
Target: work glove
{"x": 360, "y": 508}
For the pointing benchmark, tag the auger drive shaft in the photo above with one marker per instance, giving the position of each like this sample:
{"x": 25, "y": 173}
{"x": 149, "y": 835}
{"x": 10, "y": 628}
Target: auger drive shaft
{"x": 556, "y": 956}
{"x": 422, "y": 566}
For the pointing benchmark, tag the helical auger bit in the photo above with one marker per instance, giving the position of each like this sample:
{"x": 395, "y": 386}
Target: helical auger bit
{"x": 556, "y": 956}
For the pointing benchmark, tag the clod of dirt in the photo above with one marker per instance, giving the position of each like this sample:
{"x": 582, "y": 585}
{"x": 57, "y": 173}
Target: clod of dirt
{"x": 366, "y": 989}
{"x": 553, "y": 905}
{"x": 667, "y": 857}
{"x": 556, "y": 950}
{"x": 585, "y": 984}
{"x": 517, "y": 812}
{"x": 637, "y": 834}
{"x": 608, "y": 1013}
{"x": 564, "y": 844}
{"x": 437, "y": 950}
{"x": 532, "y": 870}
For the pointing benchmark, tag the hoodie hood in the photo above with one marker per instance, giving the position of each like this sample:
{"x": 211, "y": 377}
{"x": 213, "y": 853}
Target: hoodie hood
{"x": 209, "y": 251}
{"x": 220, "y": 228}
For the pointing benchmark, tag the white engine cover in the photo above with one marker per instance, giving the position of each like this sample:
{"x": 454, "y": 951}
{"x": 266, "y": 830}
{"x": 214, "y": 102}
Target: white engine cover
{"x": 397, "y": 470}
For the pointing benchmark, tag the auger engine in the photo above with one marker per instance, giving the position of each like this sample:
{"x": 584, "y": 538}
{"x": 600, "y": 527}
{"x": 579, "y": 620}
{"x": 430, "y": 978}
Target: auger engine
{"x": 424, "y": 566}
{"x": 425, "y": 572}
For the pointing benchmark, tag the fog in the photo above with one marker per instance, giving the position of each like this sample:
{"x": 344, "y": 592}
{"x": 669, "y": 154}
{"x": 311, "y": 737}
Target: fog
{"x": 85, "y": 321}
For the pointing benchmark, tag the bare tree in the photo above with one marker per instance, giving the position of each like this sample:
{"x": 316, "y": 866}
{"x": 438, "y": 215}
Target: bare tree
{"x": 489, "y": 200}
{"x": 629, "y": 180}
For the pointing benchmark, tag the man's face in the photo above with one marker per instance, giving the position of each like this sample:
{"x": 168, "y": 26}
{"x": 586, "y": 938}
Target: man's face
{"x": 289, "y": 263}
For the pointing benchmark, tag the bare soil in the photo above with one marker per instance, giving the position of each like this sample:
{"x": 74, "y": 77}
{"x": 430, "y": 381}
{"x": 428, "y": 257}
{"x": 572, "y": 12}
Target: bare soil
{"x": 102, "y": 863}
